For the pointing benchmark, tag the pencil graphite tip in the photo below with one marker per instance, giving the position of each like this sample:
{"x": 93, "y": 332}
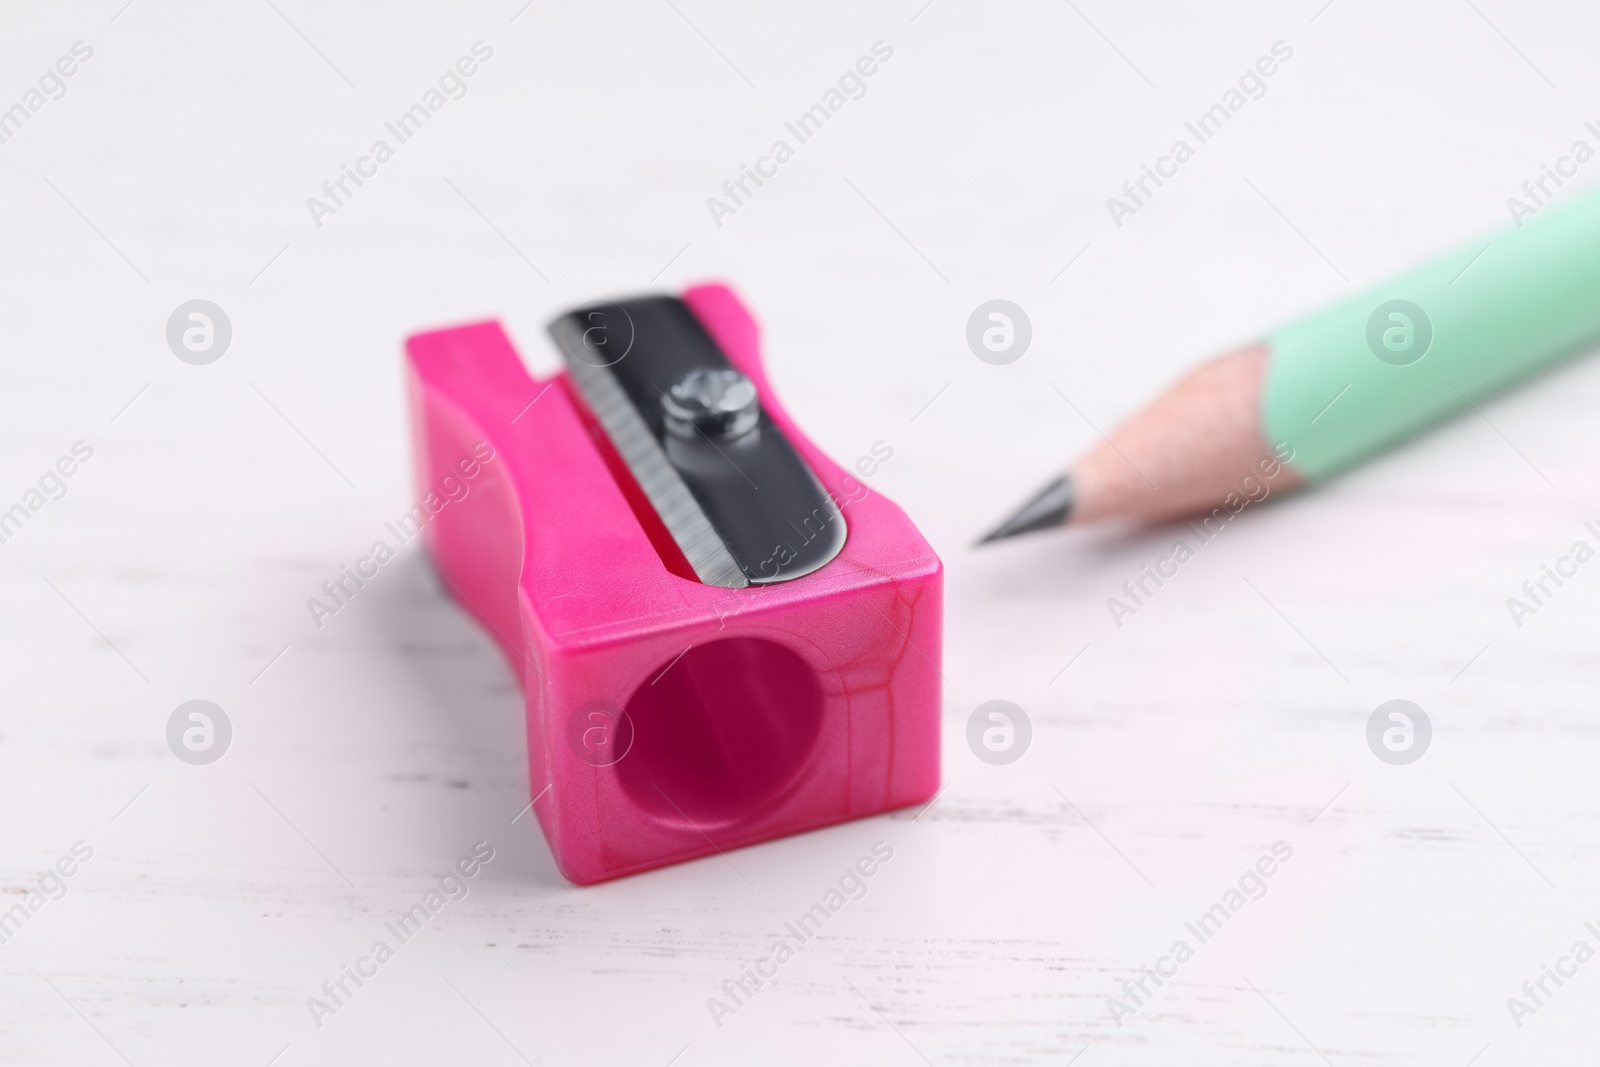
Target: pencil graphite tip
{"x": 1049, "y": 508}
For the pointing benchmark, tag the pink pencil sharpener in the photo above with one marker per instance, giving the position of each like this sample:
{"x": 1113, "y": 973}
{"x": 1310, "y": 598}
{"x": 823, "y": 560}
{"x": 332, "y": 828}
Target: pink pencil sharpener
{"x": 723, "y": 637}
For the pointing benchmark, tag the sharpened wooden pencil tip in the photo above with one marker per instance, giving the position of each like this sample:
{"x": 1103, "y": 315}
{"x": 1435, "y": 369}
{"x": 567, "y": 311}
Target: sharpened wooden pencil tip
{"x": 1049, "y": 508}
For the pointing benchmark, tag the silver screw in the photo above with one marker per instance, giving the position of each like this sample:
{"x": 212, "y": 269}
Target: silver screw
{"x": 721, "y": 404}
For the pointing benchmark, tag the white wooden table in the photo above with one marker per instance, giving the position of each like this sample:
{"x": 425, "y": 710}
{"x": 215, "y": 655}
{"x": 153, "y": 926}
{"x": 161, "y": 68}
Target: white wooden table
{"x": 1168, "y": 755}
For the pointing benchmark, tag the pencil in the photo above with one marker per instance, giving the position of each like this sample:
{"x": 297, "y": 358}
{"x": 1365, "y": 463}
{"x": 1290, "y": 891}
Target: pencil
{"x": 1326, "y": 392}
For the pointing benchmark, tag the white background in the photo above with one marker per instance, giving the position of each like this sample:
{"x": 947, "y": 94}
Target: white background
{"x": 369, "y": 754}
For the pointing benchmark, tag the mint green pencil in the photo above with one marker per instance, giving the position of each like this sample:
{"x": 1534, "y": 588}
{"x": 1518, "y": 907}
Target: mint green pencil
{"x": 1324, "y": 393}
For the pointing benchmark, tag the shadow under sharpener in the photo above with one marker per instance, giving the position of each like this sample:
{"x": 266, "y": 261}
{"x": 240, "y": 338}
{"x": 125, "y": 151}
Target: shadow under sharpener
{"x": 669, "y": 719}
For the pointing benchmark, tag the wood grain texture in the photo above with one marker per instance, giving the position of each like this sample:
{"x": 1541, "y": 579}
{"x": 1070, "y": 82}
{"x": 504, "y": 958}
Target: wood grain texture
{"x": 1169, "y": 752}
